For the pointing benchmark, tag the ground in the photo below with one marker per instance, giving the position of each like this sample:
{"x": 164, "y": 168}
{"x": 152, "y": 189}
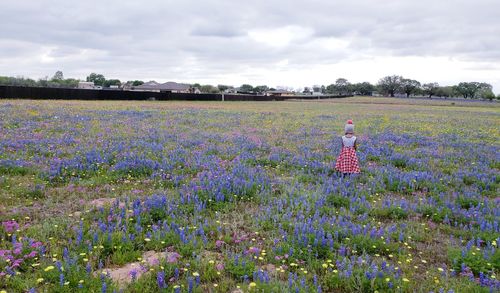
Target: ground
{"x": 234, "y": 196}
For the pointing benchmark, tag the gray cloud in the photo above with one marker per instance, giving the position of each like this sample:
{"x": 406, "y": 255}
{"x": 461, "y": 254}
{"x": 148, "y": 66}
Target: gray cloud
{"x": 185, "y": 40}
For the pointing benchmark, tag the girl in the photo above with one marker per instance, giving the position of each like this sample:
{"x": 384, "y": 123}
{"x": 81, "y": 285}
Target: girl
{"x": 347, "y": 162}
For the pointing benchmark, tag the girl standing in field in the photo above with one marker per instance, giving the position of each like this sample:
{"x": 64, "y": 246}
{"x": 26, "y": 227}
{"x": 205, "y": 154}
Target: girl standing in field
{"x": 347, "y": 162}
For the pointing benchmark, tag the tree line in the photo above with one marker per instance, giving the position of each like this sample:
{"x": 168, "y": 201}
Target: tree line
{"x": 397, "y": 85}
{"x": 389, "y": 85}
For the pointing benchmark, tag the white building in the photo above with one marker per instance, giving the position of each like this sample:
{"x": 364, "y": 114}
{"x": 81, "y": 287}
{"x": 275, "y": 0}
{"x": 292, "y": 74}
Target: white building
{"x": 86, "y": 85}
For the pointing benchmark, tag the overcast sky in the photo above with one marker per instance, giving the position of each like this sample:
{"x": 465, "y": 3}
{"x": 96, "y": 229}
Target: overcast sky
{"x": 278, "y": 43}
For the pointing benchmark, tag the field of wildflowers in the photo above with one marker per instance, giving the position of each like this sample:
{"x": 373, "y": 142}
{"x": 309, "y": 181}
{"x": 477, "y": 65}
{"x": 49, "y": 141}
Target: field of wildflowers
{"x": 241, "y": 197}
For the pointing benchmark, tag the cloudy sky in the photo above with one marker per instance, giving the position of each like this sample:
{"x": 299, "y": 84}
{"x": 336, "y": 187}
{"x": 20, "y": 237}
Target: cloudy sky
{"x": 278, "y": 43}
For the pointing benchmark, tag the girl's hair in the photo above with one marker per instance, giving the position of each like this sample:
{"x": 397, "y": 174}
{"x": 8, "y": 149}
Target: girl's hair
{"x": 349, "y": 127}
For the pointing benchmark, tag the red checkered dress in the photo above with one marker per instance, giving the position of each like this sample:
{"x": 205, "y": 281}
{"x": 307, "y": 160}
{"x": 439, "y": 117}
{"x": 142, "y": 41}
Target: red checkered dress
{"x": 347, "y": 161}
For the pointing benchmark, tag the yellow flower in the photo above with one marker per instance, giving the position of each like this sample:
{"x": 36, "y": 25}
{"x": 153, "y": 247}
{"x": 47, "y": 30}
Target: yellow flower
{"x": 39, "y": 280}
{"x": 80, "y": 282}
{"x": 252, "y": 284}
{"x": 325, "y": 266}
{"x": 49, "y": 268}
{"x": 147, "y": 239}
{"x": 196, "y": 274}
{"x": 215, "y": 285}
{"x": 440, "y": 269}
{"x": 406, "y": 280}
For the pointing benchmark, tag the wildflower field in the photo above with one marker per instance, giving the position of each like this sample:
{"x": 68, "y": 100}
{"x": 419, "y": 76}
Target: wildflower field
{"x": 241, "y": 197}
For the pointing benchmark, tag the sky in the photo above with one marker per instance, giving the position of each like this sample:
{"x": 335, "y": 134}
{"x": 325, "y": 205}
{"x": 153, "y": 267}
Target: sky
{"x": 283, "y": 43}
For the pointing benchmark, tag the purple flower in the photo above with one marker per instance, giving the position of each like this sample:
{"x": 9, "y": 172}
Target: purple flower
{"x": 10, "y": 226}
{"x": 160, "y": 280}
{"x": 133, "y": 274}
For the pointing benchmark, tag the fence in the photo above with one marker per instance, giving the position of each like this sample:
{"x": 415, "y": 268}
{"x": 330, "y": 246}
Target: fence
{"x": 44, "y": 93}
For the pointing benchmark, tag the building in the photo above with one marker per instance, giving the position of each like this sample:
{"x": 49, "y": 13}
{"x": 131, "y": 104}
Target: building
{"x": 279, "y": 93}
{"x": 172, "y": 87}
{"x": 89, "y": 85}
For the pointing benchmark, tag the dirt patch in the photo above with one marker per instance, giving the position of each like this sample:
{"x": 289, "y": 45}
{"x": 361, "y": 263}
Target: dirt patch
{"x": 124, "y": 275}
{"x": 105, "y": 201}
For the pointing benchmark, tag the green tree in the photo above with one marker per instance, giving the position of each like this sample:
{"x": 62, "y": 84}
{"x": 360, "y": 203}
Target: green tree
{"x": 209, "y": 89}
{"x": 223, "y": 88}
{"x": 409, "y": 86}
{"x": 110, "y": 82}
{"x": 342, "y": 86}
{"x": 58, "y": 76}
{"x": 98, "y": 79}
{"x": 246, "y": 88}
{"x": 445, "y": 91}
{"x": 260, "y": 89}
{"x": 468, "y": 89}
{"x": 390, "y": 84}
{"x": 430, "y": 88}
{"x": 137, "y": 82}
{"x": 363, "y": 88}
{"x": 330, "y": 89}
{"x": 486, "y": 91}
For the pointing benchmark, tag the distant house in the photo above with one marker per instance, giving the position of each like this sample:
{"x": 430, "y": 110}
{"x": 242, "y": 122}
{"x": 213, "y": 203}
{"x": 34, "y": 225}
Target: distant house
{"x": 147, "y": 86}
{"x": 279, "y": 93}
{"x": 170, "y": 86}
{"x": 194, "y": 90}
{"x": 89, "y": 85}
{"x": 317, "y": 93}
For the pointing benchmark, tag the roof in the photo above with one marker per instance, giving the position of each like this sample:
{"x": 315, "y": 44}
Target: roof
{"x": 279, "y": 92}
{"x": 168, "y": 86}
{"x": 175, "y": 86}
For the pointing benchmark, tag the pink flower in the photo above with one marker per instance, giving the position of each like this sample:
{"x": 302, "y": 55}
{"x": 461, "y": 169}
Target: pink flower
{"x": 220, "y": 266}
{"x": 36, "y": 244}
{"x": 219, "y": 243}
{"x": 4, "y": 252}
{"x": 16, "y": 263}
{"x": 31, "y": 254}
{"x": 10, "y": 226}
